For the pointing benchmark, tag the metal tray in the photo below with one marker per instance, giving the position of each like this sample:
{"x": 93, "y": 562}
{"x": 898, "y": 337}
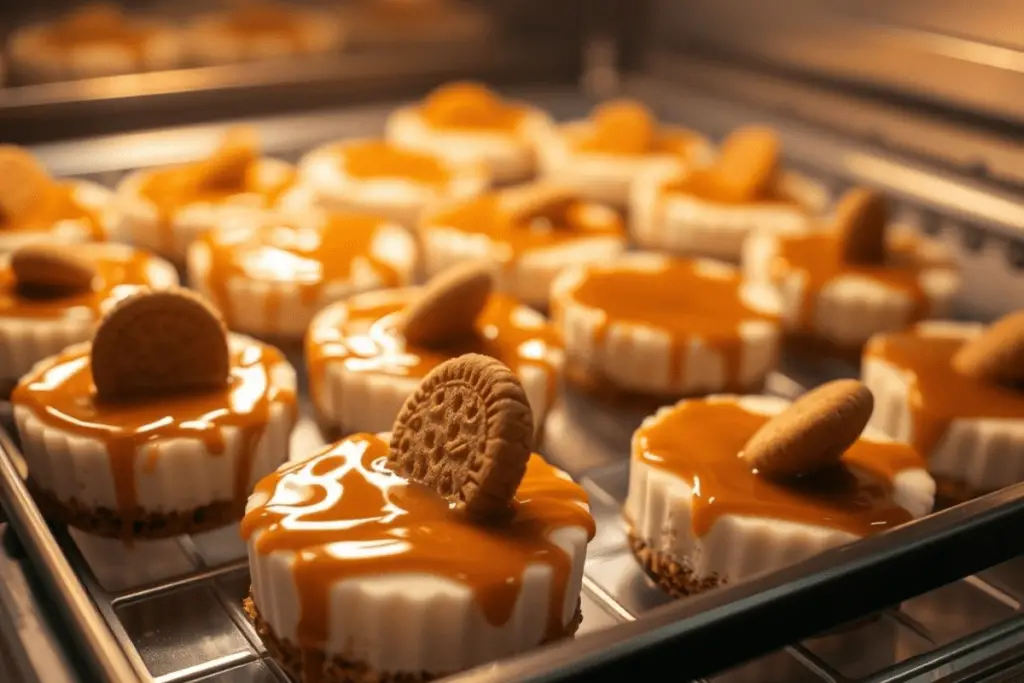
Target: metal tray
{"x": 170, "y": 610}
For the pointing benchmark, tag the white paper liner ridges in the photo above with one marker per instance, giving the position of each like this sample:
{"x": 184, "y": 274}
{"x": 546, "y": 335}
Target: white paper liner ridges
{"x": 417, "y": 622}
{"x": 658, "y": 506}
{"x": 850, "y": 309}
{"x": 691, "y": 226}
{"x": 984, "y": 454}
{"x": 638, "y": 357}
{"x": 605, "y": 177}
{"x": 184, "y": 476}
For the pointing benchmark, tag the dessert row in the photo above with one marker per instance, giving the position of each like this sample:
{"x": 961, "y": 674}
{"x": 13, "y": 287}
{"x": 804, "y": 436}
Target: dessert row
{"x": 145, "y": 411}
{"x": 102, "y": 39}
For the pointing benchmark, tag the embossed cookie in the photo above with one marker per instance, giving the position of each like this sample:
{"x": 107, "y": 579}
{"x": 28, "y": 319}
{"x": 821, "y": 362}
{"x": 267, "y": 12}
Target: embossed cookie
{"x": 813, "y": 433}
{"x": 158, "y": 343}
{"x": 46, "y": 269}
{"x": 449, "y": 305}
{"x": 468, "y": 433}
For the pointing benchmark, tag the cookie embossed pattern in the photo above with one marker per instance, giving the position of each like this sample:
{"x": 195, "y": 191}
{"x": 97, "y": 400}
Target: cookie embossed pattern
{"x": 187, "y": 609}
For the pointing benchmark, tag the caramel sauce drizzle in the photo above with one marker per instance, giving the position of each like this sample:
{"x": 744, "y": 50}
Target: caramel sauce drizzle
{"x": 368, "y": 340}
{"x": 173, "y": 188}
{"x": 307, "y": 257}
{"x": 344, "y": 515}
{"x": 484, "y": 216}
{"x": 62, "y": 395}
{"x": 699, "y": 442}
{"x": 938, "y": 394}
{"x": 679, "y": 299}
{"x": 666, "y": 141}
{"x": 818, "y": 257}
{"x": 472, "y": 108}
{"x": 58, "y": 203}
{"x": 121, "y": 271}
{"x": 374, "y": 159}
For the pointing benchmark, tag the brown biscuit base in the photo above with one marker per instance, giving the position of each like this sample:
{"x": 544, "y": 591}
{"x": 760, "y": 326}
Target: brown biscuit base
{"x": 144, "y": 525}
{"x": 339, "y": 670}
{"x": 667, "y": 573}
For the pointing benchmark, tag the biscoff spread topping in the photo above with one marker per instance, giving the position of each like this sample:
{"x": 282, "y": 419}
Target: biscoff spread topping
{"x": 941, "y": 389}
{"x": 98, "y": 22}
{"x": 307, "y": 256}
{"x": 377, "y": 160}
{"x": 57, "y": 282}
{"x": 628, "y": 128}
{"x": 700, "y": 442}
{"x": 470, "y": 106}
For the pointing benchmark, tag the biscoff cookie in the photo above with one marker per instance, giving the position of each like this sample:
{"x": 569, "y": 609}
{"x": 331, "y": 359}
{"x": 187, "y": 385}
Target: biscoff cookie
{"x": 51, "y": 296}
{"x": 836, "y": 289}
{"x": 166, "y": 209}
{"x": 527, "y": 233}
{"x": 813, "y": 433}
{"x": 599, "y": 157}
{"x": 710, "y": 210}
{"x": 449, "y": 305}
{"x": 36, "y": 209}
{"x": 160, "y": 427}
{"x": 468, "y": 433}
{"x": 953, "y": 391}
{"x": 491, "y": 540}
{"x": 159, "y": 343}
{"x": 701, "y": 514}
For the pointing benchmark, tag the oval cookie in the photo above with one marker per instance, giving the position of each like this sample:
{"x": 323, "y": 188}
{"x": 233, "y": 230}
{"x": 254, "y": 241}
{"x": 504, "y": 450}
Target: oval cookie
{"x": 449, "y": 304}
{"x": 997, "y": 355}
{"x": 747, "y": 163}
{"x": 45, "y": 269}
{"x": 624, "y": 126}
{"x": 466, "y": 432}
{"x": 159, "y": 343}
{"x": 813, "y": 433}
{"x": 862, "y": 217}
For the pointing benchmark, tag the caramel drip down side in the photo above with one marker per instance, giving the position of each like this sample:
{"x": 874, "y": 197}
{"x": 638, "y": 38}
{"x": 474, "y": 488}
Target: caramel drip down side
{"x": 376, "y": 159}
{"x": 62, "y": 396}
{"x": 306, "y": 257}
{"x": 818, "y": 258}
{"x": 699, "y": 442}
{"x": 678, "y": 300}
{"x": 938, "y": 394}
{"x": 367, "y": 340}
{"x": 344, "y": 516}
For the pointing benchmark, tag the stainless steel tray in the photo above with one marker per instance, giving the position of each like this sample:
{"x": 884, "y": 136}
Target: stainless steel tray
{"x": 170, "y": 610}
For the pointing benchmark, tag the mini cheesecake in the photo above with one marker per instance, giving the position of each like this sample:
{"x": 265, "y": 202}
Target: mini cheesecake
{"x": 601, "y": 156}
{"x": 969, "y": 427}
{"x": 35, "y": 208}
{"x": 96, "y": 39}
{"x": 529, "y": 233}
{"x": 166, "y": 209}
{"x": 710, "y": 210}
{"x": 41, "y": 312}
{"x": 699, "y": 515}
{"x": 147, "y": 435}
{"x": 342, "y": 550}
{"x": 467, "y": 123}
{"x": 647, "y": 326}
{"x": 263, "y": 30}
{"x": 269, "y": 280}
{"x": 840, "y": 284}
{"x": 374, "y": 176}
{"x": 362, "y": 366}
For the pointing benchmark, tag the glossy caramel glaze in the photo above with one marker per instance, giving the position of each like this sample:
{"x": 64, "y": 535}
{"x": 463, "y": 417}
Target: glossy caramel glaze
{"x": 61, "y": 394}
{"x": 120, "y": 272}
{"x": 938, "y": 394}
{"x": 485, "y": 216}
{"x": 666, "y": 141}
{"x": 376, "y": 159}
{"x": 471, "y": 107}
{"x": 344, "y": 515}
{"x": 699, "y": 442}
{"x": 817, "y": 259}
{"x": 702, "y": 183}
{"x": 683, "y": 299}
{"x": 57, "y": 204}
{"x": 366, "y": 338}
{"x": 308, "y": 257}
